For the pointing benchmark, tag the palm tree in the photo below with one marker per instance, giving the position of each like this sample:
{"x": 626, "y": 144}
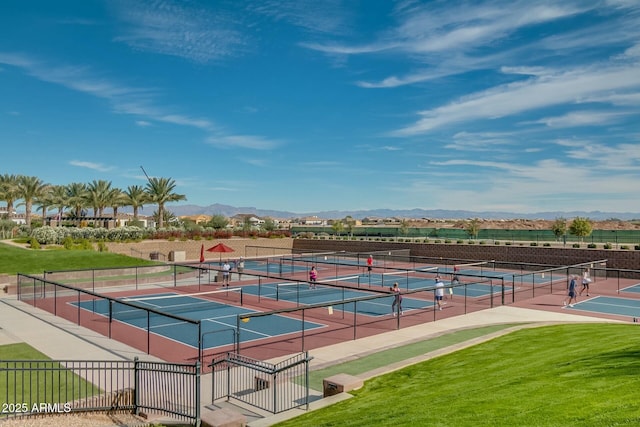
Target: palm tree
{"x": 45, "y": 201}
{"x": 136, "y": 198}
{"x": 30, "y": 189}
{"x": 160, "y": 192}
{"x": 9, "y": 191}
{"x": 77, "y": 196}
{"x": 98, "y": 193}
{"x": 116, "y": 198}
{"x": 59, "y": 199}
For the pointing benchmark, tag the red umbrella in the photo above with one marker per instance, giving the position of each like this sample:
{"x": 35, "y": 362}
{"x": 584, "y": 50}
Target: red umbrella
{"x": 202, "y": 253}
{"x": 220, "y": 248}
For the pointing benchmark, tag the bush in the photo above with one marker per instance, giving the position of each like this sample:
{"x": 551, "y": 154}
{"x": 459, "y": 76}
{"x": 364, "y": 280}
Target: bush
{"x": 608, "y": 245}
{"x": 533, "y": 244}
{"x": 591, "y": 246}
{"x": 447, "y": 241}
{"x": 624, "y": 247}
{"x": 471, "y": 242}
{"x": 481, "y": 242}
{"x": 637, "y": 247}
{"x": 507, "y": 243}
{"x": 546, "y": 244}
{"x": 34, "y": 243}
{"x": 497, "y": 242}
{"x": 576, "y": 245}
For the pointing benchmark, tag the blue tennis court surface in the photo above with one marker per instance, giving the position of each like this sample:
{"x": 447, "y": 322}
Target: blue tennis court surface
{"x": 609, "y": 305}
{"x": 274, "y": 267}
{"x": 634, "y": 288}
{"x": 215, "y": 317}
{"x": 301, "y": 293}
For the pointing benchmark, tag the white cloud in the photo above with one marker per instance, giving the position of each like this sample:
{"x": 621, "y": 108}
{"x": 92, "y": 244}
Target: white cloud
{"x": 176, "y": 29}
{"x": 535, "y": 93}
{"x": 582, "y": 118}
{"x": 242, "y": 141}
{"x": 143, "y": 123}
{"x": 90, "y": 165}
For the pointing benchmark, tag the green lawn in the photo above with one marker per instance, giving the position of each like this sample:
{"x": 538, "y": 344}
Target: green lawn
{"x": 17, "y": 260}
{"x": 394, "y": 355}
{"x": 53, "y": 385}
{"x": 567, "y": 375}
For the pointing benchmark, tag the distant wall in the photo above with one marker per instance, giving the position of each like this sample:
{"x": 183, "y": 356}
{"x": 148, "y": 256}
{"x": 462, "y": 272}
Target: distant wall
{"x": 242, "y": 247}
{"x": 622, "y": 259}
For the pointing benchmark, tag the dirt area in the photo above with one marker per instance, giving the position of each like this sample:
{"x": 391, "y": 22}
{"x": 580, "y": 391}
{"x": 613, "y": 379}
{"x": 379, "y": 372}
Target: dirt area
{"x": 528, "y": 224}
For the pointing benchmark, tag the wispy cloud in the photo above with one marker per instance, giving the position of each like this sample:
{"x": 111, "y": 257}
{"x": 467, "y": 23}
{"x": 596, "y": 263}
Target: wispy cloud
{"x": 328, "y": 16}
{"x": 582, "y": 118}
{"x": 90, "y": 165}
{"x": 512, "y": 99}
{"x": 135, "y": 101}
{"x": 242, "y": 141}
{"x": 179, "y": 29}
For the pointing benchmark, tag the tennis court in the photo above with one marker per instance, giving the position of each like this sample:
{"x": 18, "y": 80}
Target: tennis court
{"x": 302, "y": 293}
{"x": 633, "y": 288}
{"x": 216, "y": 317}
{"x": 273, "y": 267}
{"x": 609, "y": 305}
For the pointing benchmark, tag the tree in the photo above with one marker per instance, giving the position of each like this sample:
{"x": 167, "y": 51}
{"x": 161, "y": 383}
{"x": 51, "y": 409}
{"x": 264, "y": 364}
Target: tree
{"x": 337, "y": 227}
{"x": 30, "y": 188}
{"x": 9, "y": 191}
{"x": 98, "y": 195}
{"x": 59, "y": 199}
{"x": 349, "y": 223}
{"x": 136, "y": 197}
{"x": 581, "y": 227}
{"x": 404, "y": 227}
{"x": 77, "y": 198}
{"x": 116, "y": 198}
{"x": 45, "y": 201}
{"x": 559, "y": 227}
{"x": 269, "y": 224}
{"x": 473, "y": 228}
{"x": 160, "y": 191}
{"x": 218, "y": 222}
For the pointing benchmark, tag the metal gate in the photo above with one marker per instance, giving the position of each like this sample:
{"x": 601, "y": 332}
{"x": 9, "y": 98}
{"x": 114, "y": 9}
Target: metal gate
{"x": 271, "y": 387}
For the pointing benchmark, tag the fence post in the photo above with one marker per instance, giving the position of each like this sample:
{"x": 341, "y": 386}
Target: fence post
{"x": 197, "y": 390}
{"x": 136, "y": 386}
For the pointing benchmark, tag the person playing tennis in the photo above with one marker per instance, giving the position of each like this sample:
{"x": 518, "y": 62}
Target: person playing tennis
{"x": 313, "y": 277}
{"x": 396, "y": 305}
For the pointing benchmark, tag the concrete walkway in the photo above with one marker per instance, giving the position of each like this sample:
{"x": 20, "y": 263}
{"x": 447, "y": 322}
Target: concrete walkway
{"x": 60, "y": 339}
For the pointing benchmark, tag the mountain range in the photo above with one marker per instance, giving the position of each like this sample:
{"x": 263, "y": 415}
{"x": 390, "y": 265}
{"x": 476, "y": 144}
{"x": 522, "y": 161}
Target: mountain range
{"x": 229, "y": 211}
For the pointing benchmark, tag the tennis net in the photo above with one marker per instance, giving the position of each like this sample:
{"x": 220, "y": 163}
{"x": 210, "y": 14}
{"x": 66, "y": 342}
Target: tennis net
{"x": 480, "y": 267}
{"x": 179, "y": 303}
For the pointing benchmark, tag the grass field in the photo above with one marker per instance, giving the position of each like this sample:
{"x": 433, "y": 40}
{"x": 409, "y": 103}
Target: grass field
{"x": 18, "y": 260}
{"x": 567, "y": 375}
{"x": 53, "y": 385}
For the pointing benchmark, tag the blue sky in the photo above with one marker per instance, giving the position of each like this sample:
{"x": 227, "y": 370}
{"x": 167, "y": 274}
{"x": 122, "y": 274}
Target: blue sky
{"x": 310, "y": 105}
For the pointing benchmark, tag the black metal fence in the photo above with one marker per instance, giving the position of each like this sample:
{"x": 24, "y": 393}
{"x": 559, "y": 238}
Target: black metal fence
{"x": 100, "y": 313}
{"x": 37, "y": 387}
{"x": 271, "y": 387}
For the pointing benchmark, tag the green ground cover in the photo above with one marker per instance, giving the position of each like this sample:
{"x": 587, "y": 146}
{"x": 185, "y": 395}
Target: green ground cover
{"x": 394, "y": 355}
{"x": 55, "y": 385}
{"x": 565, "y": 375}
{"x": 18, "y": 260}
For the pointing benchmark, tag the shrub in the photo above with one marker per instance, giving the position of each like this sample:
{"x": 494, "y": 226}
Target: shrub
{"x": 459, "y": 241}
{"x": 447, "y": 241}
{"x": 102, "y": 247}
{"x": 507, "y": 243}
{"x": 45, "y": 235}
{"x": 608, "y": 245}
{"x": 533, "y": 244}
{"x": 624, "y": 247}
{"x": 637, "y": 247}
{"x": 437, "y": 241}
{"x": 481, "y": 242}
{"x": 34, "y": 243}
{"x": 497, "y": 242}
{"x": 591, "y": 246}
{"x": 546, "y": 244}
{"x": 576, "y": 245}
{"x": 471, "y": 242}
